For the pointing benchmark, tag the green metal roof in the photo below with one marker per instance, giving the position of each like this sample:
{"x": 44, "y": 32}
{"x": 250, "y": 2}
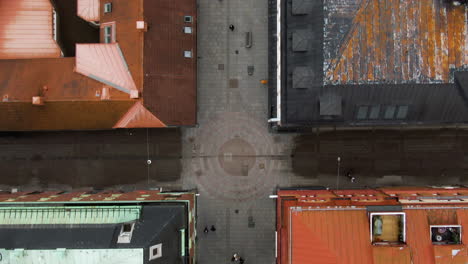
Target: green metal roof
{"x": 73, "y": 256}
{"x": 68, "y": 215}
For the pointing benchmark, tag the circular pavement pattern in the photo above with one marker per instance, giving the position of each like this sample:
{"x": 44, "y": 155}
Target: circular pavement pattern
{"x": 235, "y": 158}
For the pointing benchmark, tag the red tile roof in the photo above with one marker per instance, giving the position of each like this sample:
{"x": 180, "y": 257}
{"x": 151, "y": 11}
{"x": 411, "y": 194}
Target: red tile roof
{"x": 26, "y": 30}
{"x": 139, "y": 117}
{"x": 316, "y": 226}
{"x": 96, "y": 89}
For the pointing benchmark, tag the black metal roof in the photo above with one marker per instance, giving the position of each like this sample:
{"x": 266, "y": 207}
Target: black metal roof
{"x": 158, "y": 223}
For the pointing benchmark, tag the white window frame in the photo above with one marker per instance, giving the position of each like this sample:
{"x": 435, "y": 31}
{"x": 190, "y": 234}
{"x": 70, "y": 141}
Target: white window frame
{"x": 188, "y": 19}
{"x": 457, "y": 226}
{"x": 387, "y": 213}
{"x": 107, "y": 7}
{"x": 111, "y": 36}
{"x": 151, "y": 249}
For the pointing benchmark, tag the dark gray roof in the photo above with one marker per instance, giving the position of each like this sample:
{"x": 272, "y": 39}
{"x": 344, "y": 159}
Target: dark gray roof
{"x": 159, "y": 223}
{"x": 380, "y": 104}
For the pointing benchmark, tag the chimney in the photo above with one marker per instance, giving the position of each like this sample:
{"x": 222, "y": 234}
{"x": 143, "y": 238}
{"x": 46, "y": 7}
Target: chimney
{"x": 105, "y": 95}
{"x": 142, "y": 26}
{"x": 134, "y": 94}
{"x": 38, "y": 100}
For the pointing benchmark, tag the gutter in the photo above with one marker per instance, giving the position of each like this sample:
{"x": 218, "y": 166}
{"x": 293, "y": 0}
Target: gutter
{"x": 277, "y": 119}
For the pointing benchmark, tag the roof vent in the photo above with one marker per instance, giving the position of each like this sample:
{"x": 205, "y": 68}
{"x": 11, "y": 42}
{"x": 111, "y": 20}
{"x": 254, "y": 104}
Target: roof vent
{"x": 38, "y": 100}
{"x": 303, "y": 78}
{"x": 330, "y": 105}
{"x": 142, "y": 25}
{"x": 300, "y": 41}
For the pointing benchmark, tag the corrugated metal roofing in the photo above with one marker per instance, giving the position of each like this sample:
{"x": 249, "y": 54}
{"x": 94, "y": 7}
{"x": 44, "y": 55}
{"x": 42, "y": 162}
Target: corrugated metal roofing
{"x": 88, "y": 9}
{"x": 138, "y": 117}
{"x": 104, "y": 63}
{"x": 27, "y": 30}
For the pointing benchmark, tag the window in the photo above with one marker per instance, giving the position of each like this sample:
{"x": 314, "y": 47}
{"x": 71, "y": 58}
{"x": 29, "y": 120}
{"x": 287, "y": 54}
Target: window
{"x": 127, "y": 228}
{"x": 374, "y": 112}
{"x": 402, "y": 112}
{"x": 109, "y": 32}
{"x": 362, "y": 112}
{"x": 445, "y": 234}
{"x": 188, "y": 54}
{"x": 155, "y": 252}
{"x": 188, "y": 19}
{"x": 126, "y": 232}
{"x": 107, "y": 7}
{"x": 188, "y": 30}
{"x": 388, "y": 228}
{"x": 390, "y": 112}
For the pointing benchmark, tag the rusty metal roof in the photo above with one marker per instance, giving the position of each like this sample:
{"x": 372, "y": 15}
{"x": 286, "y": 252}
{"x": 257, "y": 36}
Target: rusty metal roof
{"x": 170, "y": 79}
{"x": 88, "y": 10}
{"x": 330, "y": 226}
{"x": 27, "y": 30}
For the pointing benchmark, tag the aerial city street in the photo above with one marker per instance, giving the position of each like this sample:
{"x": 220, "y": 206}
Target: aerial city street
{"x": 234, "y": 131}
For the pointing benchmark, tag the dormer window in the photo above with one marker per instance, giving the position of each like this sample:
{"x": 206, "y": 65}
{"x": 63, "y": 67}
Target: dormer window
{"x": 388, "y": 228}
{"x": 155, "y": 252}
{"x": 126, "y": 232}
{"x": 446, "y": 234}
{"x": 108, "y": 32}
{"x": 107, "y": 8}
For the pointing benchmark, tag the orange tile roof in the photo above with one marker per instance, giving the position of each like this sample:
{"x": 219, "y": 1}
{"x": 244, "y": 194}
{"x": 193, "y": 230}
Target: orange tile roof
{"x": 62, "y": 115}
{"x": 334, "y": 233}
{"x": 88, "y": 10}
{"x": 99, "y": 84}
{"x": 340, "y": 237}
{"x": 391, "y": 255}
{"x": 139, "y": 117}
{"x": 26, "y": 30}
{"x": 20, "y": 80}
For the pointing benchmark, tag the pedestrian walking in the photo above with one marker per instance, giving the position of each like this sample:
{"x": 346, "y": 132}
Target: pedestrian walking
{"x": 231, "y": 27}
{"x": 205, "y": 230}
{"x": 213, "y": 228}
{"x": 235, "y": 257}
{"x": 350, "y": 176}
